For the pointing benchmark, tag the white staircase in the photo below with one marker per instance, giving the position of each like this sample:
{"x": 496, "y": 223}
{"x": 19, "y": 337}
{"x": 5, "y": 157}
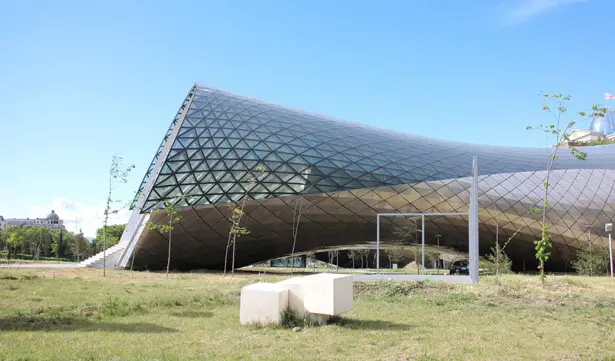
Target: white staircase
{"x": 96, "y": 261}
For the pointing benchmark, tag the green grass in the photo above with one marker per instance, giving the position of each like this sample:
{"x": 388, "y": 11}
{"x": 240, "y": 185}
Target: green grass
{"x": 81, "y": 316}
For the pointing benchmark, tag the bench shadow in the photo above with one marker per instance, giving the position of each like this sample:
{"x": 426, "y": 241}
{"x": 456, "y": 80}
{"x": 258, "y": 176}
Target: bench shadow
{"x": 32, "y": 323}
{"x": 379, "y": 325}
{"x": 192, "y": 314}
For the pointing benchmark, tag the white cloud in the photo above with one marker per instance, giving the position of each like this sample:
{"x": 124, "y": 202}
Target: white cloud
{"x": 77, "y": 215}
{"x": 524, "y": 10}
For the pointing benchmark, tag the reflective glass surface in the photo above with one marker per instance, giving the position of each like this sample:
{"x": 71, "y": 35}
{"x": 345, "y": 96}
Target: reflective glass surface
{"x": 346, "y": 173}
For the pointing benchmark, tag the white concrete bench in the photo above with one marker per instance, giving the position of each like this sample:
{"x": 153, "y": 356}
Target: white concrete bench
{"x": 316, "y": 296}
{"x": 328, "y": 294}
{"x": 262, "y": 303}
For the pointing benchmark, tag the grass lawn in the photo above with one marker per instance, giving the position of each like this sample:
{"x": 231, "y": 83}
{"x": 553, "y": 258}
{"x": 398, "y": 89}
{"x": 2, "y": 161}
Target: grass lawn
{"x": 81, "y": 316}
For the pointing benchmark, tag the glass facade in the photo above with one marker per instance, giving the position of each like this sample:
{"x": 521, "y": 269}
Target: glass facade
{"x": 604, "y": 125}
{"x": 343, "y": 174}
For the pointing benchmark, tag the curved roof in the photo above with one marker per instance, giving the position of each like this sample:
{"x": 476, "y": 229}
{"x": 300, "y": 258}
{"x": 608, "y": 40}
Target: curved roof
{"x": 604, "y": 125}
{"x": 224, "y": 138}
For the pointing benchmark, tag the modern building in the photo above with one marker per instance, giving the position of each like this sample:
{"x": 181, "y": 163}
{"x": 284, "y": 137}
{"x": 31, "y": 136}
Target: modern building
{"x": 223, "y": 148}
{"x": 52, "y": 221}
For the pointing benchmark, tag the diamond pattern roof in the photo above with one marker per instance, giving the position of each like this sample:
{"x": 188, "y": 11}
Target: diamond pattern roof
{"x": 219, "y": 139}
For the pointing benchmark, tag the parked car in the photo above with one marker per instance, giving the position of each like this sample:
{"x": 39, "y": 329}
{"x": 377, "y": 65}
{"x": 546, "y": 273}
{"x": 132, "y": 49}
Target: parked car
{"x": 460, "y": 268}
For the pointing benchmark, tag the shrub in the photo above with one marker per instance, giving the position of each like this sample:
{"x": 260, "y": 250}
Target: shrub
{"x": 291, "y": 319}
{"x": 591, "y": 261}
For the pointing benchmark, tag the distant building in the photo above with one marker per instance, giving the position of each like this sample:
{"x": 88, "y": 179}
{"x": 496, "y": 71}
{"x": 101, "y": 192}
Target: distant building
{"x": 601, "y": 131}
{"x": 52, "y": 221}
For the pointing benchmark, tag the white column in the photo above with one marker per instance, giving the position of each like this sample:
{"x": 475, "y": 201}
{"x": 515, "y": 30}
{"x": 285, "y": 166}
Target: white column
{"x": 377, "y": 244}
{"x": 473, "y": 223}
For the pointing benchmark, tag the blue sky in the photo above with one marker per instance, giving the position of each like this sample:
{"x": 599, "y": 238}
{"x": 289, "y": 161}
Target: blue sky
{"x": 83, "y": 80}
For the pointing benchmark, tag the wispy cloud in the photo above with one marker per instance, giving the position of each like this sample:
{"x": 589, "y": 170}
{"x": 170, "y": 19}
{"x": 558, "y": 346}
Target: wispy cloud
{"x": 524, "y": 10}
{"x": 77, "y": 215}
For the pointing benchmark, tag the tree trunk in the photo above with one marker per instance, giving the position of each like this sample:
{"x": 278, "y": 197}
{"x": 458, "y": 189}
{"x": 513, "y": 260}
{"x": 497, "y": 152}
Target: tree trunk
{"x": 233, "y": 260}
{"x": 169, "y": 252}
{"x": 228, "y": 245}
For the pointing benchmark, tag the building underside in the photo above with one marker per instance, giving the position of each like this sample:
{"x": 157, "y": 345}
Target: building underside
{"x": 223, "y": 149}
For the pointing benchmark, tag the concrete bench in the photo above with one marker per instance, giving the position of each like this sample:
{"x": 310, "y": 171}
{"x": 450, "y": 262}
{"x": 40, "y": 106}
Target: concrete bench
{"x": 316, "y": 297}
{"x": 328, "y": 294}
{"x": 262, "y": 303}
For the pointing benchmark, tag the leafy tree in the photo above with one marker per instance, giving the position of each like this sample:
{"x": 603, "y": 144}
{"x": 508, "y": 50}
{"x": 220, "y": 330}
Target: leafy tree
{"x": 173, "y": 217}
{"x": 81, "y": 247}
{"x": 498, "y": 261}
{"x": 555, "y": 105}
{"x": 37, "y": 239}
{"x": 113, "y": 233}
{"x": 591, "y": 260}
{"x": 2, "y": 239}
{"x": 396, "y": 253}
{"x": 117, "y": 175}
{"x": 14, "y": 240}
{"x": 60, "y": 244}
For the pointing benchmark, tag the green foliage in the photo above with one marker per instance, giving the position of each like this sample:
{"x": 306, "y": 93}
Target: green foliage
{"x": 395, "y": 253}
{"x": 497, "y": 261}
{"x": 291, "y": 319}
{"x": 591, "y": 143}
{"x": 405, "y": 233}
{"x": 591, "y": 261}
{"x": 236, "y": 229}
{"x": 118, "y": 307}
{"x": 113, "y": 233}
{"x": 38, "y": 243}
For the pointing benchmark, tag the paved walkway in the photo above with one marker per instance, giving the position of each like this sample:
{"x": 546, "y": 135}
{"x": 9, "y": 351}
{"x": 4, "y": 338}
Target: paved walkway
{"x": 398, "y": 277}
{"x": 41, "y": 265}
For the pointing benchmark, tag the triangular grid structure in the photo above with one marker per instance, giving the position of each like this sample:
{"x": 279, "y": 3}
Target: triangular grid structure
{"x": 224, "y": 139}
{"x": 218, "y": 142}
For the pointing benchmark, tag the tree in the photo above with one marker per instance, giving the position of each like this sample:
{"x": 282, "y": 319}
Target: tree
{"x": 364, "y": 253}
{"x": 499, "y": 261}
{"x": 497, "y": 258}
{"x": 298, "y": 209}
{"x": 554, "y": 104}
{"x": 333, "y": 256}
{"x": 60, "y": 243}
{"x": 236, "y": 230}
{"x": 406, "y": 233}
{"x": 81, "y": 247}
{"x": 117, "y": 175}
{"x": 591, "y": 260}
{"x": 14, "y": 240}
{"x": 113, "y": 233}
{"x": 396, "y": 253}
{"x": 173, "y": 217}
{"x": 353, "y": 255}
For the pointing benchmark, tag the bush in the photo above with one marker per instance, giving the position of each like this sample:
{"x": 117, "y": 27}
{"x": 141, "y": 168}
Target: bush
{"x": 497, "y": 265}
{"x": 591, "y": 261}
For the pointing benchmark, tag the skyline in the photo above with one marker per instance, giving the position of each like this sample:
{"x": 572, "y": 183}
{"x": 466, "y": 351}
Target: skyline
{"x": 86, "y": 81}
